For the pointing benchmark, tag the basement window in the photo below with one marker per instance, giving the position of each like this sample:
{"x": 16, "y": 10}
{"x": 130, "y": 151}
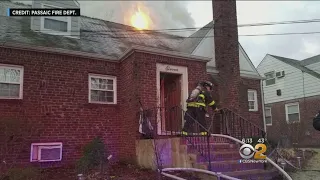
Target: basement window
{"x": 253, "y": 100}
{"x": 46, "y": 152}
{"x": 270, "y": 78}
{"x": 102, "y": 89}
{"x": 292, "y": 112}
{"x": 11, "y": 82}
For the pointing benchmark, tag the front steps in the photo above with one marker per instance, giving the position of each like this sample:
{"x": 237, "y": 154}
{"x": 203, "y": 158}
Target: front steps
{"x": 225, "y": 158}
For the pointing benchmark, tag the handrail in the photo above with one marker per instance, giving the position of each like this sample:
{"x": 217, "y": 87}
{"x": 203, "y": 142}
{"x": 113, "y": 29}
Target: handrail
{"x": 201, "y": 171}
{"x": 172, "y": 176}
{"x": 242, "y": 118}
{"x": 268, "y": 159}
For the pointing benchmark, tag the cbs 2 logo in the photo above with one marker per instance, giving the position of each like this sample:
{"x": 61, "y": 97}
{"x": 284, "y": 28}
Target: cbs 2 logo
{"x": 247, "y": 151}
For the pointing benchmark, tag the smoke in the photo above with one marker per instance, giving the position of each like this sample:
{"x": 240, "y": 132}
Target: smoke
{"x": 163, "y": 14}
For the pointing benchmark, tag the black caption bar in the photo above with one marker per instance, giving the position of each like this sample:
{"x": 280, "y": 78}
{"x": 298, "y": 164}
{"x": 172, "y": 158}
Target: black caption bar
{"x": 43, "y": 12}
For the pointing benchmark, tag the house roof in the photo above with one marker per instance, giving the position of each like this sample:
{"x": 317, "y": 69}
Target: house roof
{"x": 96, "y": 36}
{"x": 188, "y": 45}
{"x": 297, "y": 64}
{"x": 311, "y": 60}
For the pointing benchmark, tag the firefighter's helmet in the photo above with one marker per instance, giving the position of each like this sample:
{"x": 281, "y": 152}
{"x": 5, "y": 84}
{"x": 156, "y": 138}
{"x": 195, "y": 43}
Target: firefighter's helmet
{"x": 207, "y": 83}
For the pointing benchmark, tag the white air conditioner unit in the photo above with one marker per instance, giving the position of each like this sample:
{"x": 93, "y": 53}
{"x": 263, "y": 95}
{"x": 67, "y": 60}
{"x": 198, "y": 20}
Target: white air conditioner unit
{"x": 280, "y": 74}
{"x": 46, "y": 152}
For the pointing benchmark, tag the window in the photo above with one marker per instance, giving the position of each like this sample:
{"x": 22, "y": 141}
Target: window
{"x": 268, "y": 116}
{"x": 102, "y": 89}
{"x": 11, "y": 80}
{"x": 292, "y": 112}
{"x": 270, "y": 78}
{"x": 253, "y": 100}
{"x": 46, "y": 152}
{"x": 57, "y": 25}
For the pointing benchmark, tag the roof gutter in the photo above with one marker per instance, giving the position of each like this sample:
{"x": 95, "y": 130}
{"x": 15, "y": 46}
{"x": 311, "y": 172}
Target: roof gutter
{"x": 61, "y": 51}
{"x": 168, "y": 53}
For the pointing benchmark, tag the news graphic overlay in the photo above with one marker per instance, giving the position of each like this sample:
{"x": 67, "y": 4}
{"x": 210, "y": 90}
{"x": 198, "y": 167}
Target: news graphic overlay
{"x": 253, "y": 153}
{"x": 43, "y": 12}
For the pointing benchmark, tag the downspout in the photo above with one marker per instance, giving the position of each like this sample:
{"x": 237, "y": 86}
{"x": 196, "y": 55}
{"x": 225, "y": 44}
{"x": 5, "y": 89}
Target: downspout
{"x": 263, "y": 110}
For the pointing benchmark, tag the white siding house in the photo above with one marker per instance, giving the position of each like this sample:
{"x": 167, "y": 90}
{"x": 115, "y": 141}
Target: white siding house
{"x": 297, "y": 81}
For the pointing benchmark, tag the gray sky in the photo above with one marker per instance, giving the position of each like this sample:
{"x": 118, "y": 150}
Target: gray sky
{"x": 182, "y": 14}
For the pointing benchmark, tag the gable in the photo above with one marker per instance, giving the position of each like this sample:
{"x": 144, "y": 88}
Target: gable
{"x": 291, "y": 85}
{"x": 205, "y": 48}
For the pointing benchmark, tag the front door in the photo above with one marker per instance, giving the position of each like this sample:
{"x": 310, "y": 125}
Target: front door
{"x": 171, "y": 102}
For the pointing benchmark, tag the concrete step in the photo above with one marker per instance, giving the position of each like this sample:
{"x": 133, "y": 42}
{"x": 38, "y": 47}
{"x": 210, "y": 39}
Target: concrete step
{"x": 219, "y": 156}
{"x": 254, "y": 174}
{"x": 232, "y": 165}
{"x": 214, "y": 146}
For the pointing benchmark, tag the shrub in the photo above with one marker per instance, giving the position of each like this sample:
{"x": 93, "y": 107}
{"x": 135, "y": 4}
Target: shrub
{"x": 94, "y": 155}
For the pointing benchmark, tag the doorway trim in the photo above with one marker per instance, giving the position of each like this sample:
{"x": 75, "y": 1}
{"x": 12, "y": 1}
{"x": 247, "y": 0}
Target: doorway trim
{"x": 168, "y": 68}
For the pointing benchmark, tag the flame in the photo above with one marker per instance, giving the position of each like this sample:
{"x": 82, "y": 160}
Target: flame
{"x": 140, "y": 20}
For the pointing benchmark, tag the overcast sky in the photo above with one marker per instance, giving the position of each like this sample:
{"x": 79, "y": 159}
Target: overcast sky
{"x": 182, "y": 14}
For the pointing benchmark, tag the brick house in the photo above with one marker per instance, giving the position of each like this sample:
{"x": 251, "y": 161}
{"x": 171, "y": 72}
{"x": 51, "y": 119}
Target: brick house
{"x": 74, "y": 78}
{"x": 292, "y": 98}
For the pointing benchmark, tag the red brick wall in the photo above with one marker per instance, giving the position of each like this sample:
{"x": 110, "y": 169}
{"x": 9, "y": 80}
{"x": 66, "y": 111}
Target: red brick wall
{"x": 297, "y": 133}
{"x": 227, "y": 52}
{"x": 253, "y": 116}
{"x": 55, "y": 99}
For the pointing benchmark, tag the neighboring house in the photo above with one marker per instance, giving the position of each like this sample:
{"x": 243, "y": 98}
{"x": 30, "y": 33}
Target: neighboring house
{"x": 292, "y": 97}
{"x": 75, "y": 78}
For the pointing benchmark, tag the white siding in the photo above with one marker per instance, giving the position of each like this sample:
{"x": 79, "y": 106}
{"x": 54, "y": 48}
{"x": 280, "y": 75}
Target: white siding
{"x": 206, "y": 49}
{"x": 315, "y": 67}
{"x": 291, "y": 85}
{"x": 75, "y": 21}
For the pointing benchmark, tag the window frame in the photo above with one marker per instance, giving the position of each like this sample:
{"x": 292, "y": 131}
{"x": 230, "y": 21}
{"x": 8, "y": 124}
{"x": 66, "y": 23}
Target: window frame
{"x": 268, "y": 108}
{"x": 274, "y": 77}
{"x": 21, "y": 68}
{"x": 114, "y": 78}
{"x": 286, "y": 110}
{"x": 255, "y": 100}
{"x": 57, "y": 18}
{"x": 40, "y": 146}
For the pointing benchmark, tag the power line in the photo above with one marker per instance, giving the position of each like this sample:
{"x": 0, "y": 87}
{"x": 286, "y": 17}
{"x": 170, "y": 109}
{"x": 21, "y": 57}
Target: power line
{"x": 131, "y": 29}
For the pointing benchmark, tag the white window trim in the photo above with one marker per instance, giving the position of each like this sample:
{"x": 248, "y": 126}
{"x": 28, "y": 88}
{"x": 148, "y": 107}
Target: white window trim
{"x": 268, "y": 108}
{"x": 274, "y": 74}
{"x": 114, "y": 78}
{"x": 45, "y": 146}
{"x": 255, "y": 99}
{"x": 58, "y": 18}
{"x": 21, "y": 80}
{"x": 286, "y": 108}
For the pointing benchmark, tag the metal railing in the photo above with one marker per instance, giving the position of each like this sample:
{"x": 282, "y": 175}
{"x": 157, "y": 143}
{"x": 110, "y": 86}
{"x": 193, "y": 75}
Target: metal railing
{"x": 216, "y": 174}
{"x": 167, "y": 121}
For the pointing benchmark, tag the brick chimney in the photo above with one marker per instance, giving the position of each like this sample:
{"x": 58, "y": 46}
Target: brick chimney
{"x": 227, "y": 52}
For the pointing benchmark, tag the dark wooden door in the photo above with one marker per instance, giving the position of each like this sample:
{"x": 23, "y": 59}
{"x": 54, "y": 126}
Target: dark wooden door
{"x": 172, "y": 102}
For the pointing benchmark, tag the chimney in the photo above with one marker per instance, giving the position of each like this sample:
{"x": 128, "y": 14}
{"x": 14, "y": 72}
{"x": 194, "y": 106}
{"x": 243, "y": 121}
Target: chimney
{"x": 227, "y": 52}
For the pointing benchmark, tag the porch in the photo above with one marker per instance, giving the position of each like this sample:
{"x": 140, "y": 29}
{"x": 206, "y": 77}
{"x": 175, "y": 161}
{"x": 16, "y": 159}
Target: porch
{"x": 216, "y": 152}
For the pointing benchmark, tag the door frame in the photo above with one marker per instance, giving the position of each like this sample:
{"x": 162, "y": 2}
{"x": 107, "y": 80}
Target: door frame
{"x": 168, "y": 68}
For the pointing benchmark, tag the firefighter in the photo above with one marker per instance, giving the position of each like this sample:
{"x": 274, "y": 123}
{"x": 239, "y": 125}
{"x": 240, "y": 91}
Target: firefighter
{"x": 196, "y": 107}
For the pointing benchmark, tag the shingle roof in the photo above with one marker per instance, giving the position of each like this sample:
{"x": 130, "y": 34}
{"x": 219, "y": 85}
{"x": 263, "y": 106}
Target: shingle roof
{"x": 297, "y": 64}
{"x": 96, "y": 36}
{"x": 310, "y": 60}
{"x": 190, "y": 44}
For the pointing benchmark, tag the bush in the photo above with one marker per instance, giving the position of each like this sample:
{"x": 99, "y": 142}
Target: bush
{"x": 29, "y": 173}
{"x": 94, "y": 155}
